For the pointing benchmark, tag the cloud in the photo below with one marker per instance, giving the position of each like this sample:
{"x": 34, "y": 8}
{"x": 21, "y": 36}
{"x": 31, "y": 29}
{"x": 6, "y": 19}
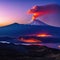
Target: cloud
{"x": 42, "y": 10}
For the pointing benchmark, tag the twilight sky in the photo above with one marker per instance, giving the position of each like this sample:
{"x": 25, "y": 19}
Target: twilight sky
{"x": 16, "y": 10}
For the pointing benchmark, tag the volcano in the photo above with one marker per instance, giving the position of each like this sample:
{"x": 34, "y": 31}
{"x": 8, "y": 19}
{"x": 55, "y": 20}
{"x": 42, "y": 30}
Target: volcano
{"x": 16, "y": 30}
{"x": 37, "y": 22}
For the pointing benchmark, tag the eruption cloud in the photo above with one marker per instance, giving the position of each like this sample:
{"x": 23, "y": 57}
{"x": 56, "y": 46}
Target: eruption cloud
{"x": 42, "y": 10}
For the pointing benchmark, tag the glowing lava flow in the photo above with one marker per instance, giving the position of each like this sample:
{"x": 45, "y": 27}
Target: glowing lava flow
{"x": 43, "y": 35}
{"x": 30, "y": 40}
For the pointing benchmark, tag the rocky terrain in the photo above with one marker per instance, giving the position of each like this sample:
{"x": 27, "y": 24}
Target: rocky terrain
{"x": 32, "y": 52}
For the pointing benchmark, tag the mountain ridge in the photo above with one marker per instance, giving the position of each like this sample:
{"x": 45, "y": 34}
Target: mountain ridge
{"x": 16, "y": 29}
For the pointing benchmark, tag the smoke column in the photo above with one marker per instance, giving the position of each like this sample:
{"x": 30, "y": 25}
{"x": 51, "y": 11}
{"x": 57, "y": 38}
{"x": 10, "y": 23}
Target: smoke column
{"x": 38, "y": 11}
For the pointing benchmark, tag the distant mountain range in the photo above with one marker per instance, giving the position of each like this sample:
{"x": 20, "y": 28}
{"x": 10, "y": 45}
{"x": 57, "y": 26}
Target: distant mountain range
{"x": 16, "y": 30}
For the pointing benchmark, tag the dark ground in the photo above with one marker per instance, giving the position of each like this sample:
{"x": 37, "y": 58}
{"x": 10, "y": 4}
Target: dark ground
{"x": 10, "y": 52}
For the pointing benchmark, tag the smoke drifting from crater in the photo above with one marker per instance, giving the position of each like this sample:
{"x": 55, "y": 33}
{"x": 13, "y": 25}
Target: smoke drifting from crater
{"x": 42, "y": 10}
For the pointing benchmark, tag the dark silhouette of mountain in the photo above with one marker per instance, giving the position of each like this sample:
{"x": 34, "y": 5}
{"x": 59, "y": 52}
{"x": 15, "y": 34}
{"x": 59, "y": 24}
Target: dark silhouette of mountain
{"x": 37, "y": 22}
{"x": 16, "y": 30}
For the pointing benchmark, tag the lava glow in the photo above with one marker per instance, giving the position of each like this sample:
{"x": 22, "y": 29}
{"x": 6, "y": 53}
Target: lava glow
{"x": 43, "y": 35}
{"x": 30, "y": 40}
{"x": 37, "y": 14}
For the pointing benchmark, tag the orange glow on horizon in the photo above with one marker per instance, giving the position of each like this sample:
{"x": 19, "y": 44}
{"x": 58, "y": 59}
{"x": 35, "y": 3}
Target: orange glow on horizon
{"x": 5, "y": 21}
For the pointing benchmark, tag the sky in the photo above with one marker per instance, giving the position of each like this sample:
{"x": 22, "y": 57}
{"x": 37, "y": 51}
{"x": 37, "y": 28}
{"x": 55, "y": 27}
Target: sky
{"x": 12, "y": 11}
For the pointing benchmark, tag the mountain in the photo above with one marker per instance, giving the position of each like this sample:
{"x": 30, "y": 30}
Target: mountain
{"x": 37, "y": 22}
{"x": 16, "y": 30}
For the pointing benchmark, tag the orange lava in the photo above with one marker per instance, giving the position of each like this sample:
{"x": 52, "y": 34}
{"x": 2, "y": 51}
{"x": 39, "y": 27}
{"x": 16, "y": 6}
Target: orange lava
{"x": 43, "y": 35}
{"x": 37, "y": 14}
{"x": 30, "y": 40}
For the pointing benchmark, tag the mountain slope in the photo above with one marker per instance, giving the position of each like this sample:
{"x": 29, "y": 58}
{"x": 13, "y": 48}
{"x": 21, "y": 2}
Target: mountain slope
{"x": 17, "y": 30}
{"x": 37, "y": 22}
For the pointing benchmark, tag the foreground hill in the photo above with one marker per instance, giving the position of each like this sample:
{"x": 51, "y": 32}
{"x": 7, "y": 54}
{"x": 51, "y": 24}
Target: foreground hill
{"x": 32, "y": 52}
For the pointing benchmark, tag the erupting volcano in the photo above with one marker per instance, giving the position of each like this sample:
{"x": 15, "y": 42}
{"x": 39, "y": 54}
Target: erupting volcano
{"x": 49, "y": 14}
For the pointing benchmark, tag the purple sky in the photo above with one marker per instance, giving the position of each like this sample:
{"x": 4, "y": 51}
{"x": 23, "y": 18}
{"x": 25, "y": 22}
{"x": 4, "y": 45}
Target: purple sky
{"x": 16, "y": 10}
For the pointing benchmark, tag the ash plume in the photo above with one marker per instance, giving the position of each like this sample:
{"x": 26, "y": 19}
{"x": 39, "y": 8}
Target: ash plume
{"x": 42, "y": 10}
